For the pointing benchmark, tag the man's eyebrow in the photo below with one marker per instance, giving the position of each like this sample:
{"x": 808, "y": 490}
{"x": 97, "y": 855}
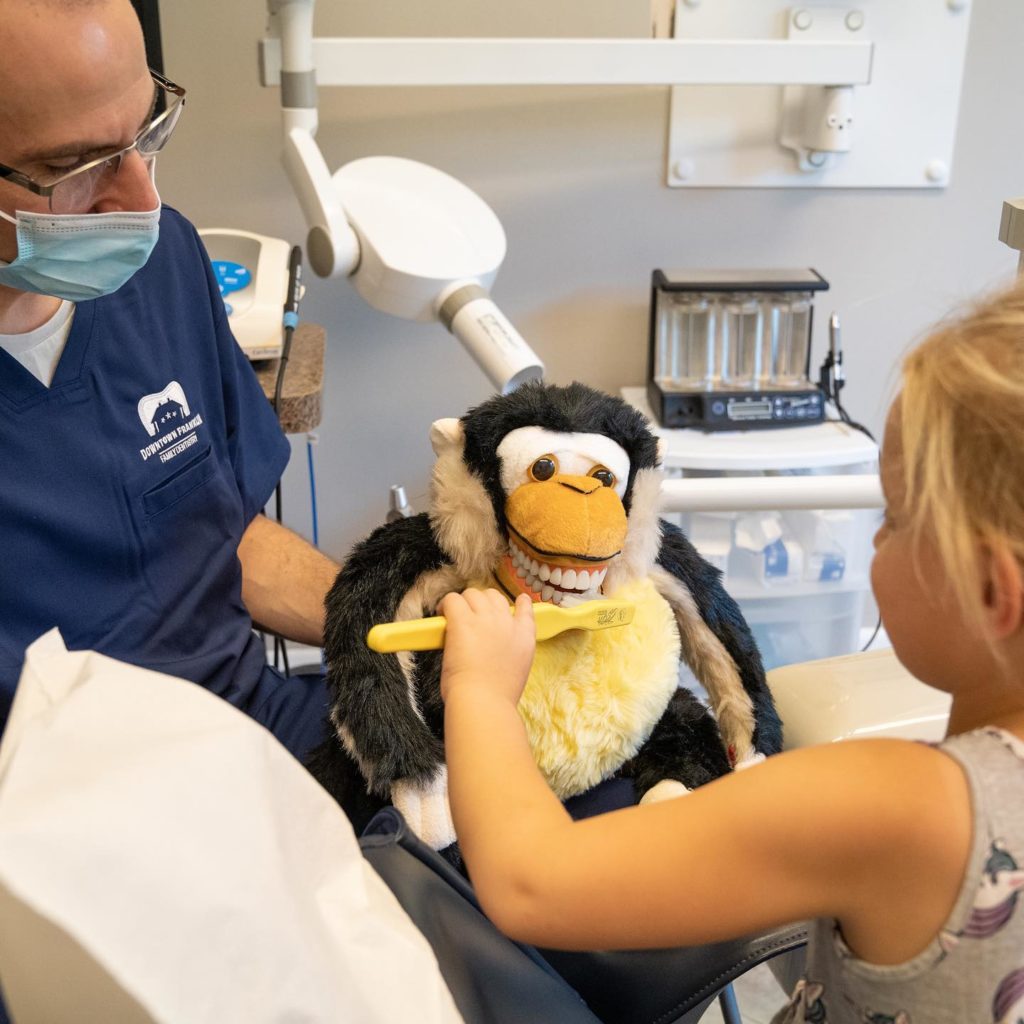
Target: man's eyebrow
{"x": 89, "y": 149}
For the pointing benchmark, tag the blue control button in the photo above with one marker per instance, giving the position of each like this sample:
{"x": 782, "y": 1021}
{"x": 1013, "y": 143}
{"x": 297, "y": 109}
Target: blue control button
{"x": 231, "y": 277}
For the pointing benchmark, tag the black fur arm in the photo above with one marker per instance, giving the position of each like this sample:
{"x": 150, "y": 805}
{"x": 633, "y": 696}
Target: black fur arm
{"x": 684, "y": 746}
{"x": 722, "y": 615}
{"x": 371, "y": 697}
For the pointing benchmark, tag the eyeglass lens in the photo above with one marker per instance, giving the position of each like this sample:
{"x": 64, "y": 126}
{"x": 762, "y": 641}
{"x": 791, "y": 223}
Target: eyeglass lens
{"x": 75, "y": 193}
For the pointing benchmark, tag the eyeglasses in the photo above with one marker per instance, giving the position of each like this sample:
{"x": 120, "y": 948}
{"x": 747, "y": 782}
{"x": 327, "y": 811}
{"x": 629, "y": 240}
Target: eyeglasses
{"x": 73, "y": 192}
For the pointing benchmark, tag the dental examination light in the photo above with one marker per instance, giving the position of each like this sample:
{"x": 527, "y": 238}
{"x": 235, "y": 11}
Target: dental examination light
{"x": 415, "y": 242}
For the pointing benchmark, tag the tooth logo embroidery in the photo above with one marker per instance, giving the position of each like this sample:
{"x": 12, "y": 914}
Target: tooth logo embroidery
{"x": 166, "y": 416}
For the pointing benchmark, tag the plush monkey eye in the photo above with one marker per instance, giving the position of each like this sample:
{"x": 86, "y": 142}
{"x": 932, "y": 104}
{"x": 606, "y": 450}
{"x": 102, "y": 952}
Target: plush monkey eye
{"x": 604, "y": 474}
{"x": 544, "y": 468}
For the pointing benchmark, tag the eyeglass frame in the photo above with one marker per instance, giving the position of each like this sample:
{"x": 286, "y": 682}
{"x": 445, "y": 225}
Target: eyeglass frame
{"x": 46, "y": 191}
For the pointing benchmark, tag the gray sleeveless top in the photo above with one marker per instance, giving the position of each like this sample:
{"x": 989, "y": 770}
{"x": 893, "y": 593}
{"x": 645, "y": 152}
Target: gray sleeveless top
{"x": 973, "y": 970}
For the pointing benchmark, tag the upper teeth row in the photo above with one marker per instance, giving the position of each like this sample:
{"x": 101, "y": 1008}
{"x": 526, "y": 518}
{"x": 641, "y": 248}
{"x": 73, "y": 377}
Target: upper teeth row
{"x": 537, "y": 574}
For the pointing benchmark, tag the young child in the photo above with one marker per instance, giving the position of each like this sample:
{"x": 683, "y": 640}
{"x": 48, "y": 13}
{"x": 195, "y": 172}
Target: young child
{"x": 906, "y": 854}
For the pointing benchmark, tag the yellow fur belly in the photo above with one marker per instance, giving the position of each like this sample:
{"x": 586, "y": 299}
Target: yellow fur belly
{"x": 593, "y": 698}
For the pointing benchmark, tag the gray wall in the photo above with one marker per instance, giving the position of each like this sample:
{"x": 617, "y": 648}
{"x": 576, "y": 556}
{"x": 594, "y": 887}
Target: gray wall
{"x": 576, "y": 177}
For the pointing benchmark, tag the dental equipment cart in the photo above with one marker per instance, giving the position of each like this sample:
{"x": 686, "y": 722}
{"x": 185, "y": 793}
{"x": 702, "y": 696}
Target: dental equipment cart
{"x": 801, "y": 578}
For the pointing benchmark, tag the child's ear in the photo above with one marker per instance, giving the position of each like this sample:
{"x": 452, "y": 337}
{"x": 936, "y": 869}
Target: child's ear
{"x": 1004, "y": 592}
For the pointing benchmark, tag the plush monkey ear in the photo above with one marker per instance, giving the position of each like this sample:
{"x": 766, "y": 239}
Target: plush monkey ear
{"x": 446, "y": 434}
{"x": 662, "y": 449}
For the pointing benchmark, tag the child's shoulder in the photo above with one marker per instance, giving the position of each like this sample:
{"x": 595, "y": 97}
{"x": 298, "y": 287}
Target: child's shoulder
{"x": 866, "y": 791}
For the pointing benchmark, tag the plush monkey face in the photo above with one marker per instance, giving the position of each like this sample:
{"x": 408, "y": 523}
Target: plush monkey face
{"x": 563, "y": 510}
{"x": 552, "y": 490}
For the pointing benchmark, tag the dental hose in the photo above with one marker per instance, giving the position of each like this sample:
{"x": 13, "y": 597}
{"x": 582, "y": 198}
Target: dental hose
{"x": 290, "y": 321}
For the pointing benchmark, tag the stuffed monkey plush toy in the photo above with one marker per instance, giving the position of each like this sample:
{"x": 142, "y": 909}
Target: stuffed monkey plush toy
{"x": 552, "y": 491}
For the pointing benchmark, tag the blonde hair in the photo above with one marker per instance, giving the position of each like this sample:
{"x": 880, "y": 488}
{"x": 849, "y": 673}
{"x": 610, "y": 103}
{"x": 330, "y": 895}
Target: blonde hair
{"x": 962, "y": 432}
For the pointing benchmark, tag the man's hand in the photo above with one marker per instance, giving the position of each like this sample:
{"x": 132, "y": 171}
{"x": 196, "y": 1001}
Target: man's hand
{"x": 284, "y": 581}
{"x": 486, "y": 646}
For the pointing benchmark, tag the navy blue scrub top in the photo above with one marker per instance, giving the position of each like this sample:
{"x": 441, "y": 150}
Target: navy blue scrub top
{"x": 127, "y": 484}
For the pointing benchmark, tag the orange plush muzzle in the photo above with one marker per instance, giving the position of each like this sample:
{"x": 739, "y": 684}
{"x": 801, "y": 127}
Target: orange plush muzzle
{"x": 563, "y": 532}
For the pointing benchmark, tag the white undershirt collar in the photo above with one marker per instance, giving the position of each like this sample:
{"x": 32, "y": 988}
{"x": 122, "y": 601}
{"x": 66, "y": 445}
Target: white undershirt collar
{"x": 39, "y": 350}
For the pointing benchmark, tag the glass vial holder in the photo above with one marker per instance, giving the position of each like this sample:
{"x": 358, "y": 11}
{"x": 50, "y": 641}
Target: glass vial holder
{"x": 732, "y": 340}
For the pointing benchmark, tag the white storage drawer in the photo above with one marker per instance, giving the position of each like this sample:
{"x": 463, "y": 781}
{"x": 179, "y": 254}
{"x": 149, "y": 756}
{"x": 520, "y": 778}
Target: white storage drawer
{"x": 801, "y": 578}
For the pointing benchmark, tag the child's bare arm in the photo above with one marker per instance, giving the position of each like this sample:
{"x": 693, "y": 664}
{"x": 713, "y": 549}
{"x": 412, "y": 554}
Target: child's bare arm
{"x": 874, "y": 833}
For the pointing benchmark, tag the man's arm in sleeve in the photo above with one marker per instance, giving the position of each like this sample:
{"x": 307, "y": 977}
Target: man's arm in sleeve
{"x": 284, "y": 581}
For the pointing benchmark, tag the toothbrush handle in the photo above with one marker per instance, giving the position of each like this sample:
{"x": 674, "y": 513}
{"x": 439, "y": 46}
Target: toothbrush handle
{"x": 411, "y": 635}
{"x": 428, "y": 634}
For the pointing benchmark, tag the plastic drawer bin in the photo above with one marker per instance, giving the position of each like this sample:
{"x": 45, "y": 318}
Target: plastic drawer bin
{"x": 805, "y": 627}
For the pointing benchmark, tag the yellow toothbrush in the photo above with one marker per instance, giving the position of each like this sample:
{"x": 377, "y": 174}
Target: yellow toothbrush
{"x": 428, "y": 634}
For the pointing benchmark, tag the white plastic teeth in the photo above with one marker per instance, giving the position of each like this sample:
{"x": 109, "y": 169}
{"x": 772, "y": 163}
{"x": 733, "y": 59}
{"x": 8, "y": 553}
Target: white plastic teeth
{"x": 555, "y": 584}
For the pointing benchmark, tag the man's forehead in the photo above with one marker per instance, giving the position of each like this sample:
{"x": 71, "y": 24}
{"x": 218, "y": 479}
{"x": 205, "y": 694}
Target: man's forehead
{"x": 78, "y": 77}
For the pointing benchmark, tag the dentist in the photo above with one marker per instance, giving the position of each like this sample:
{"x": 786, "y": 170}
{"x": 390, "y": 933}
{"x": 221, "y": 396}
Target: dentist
{"x": 136, "y": 446}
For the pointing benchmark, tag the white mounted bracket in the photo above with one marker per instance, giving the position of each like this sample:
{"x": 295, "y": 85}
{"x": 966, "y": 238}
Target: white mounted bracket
{"x": 1011, "y": 228}
{"x": 898, "y": 133}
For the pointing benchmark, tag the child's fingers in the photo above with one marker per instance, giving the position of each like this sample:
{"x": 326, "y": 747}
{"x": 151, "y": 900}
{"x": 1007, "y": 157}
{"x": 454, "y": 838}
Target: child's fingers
{"x": 451, "y": 604}
{"x": 524, "y": 619}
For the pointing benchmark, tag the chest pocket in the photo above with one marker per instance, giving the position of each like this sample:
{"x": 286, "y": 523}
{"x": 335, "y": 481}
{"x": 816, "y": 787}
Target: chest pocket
{"x": 186, "y": 580}
{"x": 179, "y": 484}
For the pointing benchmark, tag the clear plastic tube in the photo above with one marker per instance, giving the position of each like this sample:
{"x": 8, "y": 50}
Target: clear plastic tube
{"x": 741, "y": 324}
{"x": 697, "y": 348}
{"x": 791, "y": 367}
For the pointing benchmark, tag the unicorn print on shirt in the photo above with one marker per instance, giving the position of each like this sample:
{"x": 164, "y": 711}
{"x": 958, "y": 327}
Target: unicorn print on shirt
{"x": 995, "y": 900}
{"x": 1008, "y": 1004}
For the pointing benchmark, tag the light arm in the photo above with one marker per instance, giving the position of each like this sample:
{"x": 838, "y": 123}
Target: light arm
{"x": 416, "y": 243}
{"x": 284, "y": 581}
{"x": 331, "y": 245}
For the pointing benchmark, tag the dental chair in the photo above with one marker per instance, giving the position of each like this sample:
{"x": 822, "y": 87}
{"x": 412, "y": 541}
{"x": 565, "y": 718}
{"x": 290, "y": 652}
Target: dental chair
{"x": 496, "y": 981}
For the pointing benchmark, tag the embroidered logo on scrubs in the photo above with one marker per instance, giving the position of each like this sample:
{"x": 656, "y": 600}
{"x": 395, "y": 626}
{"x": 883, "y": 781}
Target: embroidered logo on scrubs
{"x": 167, "y": 417}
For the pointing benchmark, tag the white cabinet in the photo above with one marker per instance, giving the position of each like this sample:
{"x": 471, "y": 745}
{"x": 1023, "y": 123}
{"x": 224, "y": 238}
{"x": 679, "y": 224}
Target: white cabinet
{"x": 801, "y": 578}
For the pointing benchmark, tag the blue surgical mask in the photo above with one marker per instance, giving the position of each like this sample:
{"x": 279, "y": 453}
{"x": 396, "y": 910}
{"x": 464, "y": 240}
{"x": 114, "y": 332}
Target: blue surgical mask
{"x": 79, "y": 256}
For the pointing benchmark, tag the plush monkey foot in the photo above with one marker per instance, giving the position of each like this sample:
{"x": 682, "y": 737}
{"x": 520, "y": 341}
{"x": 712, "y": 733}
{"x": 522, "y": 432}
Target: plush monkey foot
{"x": 667, "y": 789}
{"x": 426, "y": 809}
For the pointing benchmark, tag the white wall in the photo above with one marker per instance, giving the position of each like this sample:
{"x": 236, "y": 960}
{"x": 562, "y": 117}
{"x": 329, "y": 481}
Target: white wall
{"x": 576, "y": 176}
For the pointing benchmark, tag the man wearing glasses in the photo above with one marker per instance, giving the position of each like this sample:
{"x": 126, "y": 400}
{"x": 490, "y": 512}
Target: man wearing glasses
{"x": 136, "y": 447}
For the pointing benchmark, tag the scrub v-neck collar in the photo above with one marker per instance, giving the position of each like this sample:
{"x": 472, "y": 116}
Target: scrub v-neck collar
{"x": 20, "y": 388}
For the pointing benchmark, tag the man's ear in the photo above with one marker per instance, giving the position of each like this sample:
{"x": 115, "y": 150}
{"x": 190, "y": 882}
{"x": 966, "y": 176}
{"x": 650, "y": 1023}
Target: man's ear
{"x": 446, "y": 434}
{"x": 1004, "y": 592}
